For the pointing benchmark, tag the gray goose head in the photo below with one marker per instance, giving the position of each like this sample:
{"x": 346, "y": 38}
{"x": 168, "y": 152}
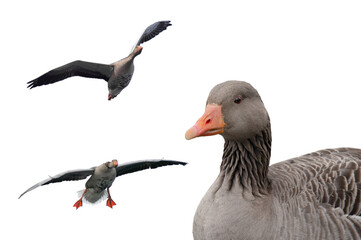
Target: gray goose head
{"x": 235, "y": 110}
{"x": 112, "y": 164}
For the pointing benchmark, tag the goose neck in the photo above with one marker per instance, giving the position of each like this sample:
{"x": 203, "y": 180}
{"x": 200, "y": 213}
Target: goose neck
{"x": 247, "y": 162}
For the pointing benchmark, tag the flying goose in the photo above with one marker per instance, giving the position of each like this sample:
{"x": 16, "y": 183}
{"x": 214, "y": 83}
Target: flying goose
{"x": 118, "y": 74}
{"x": 102, "y": 177}
{"x": 314, "y": 196}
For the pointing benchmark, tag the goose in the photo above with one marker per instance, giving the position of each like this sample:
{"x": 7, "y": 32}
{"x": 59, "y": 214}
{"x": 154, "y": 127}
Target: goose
{"x": 314, "y": 196}
{"x": 117, "y": 74}
{"x": 102, "y": 177}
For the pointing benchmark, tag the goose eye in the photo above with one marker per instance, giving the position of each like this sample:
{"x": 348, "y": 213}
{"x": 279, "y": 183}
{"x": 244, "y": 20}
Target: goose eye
{"x": 237, "y": 100}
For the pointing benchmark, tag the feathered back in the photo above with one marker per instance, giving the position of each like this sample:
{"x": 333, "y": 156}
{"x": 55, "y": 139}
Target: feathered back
{"x": 322, "y": 188}
{"x": 331, "y": 176}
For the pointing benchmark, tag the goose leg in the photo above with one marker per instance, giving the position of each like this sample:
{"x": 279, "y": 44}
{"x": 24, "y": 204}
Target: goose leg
{"x": 79, "y": 203}
{"x": 110, "y": 202}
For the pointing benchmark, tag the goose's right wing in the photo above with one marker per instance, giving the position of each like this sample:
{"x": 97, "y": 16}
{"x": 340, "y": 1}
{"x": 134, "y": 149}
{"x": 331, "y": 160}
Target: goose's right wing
{"x": 76, "y": 68}
{"x": 72, "y": 175}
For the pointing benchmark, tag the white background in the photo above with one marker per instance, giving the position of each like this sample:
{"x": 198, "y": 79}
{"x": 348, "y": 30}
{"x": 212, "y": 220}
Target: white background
{"x": 304, "y": 57}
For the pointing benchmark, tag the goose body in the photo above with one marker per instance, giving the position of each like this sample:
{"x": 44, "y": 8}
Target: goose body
{"x": 118, "y": 74}
{"x": 314, "y": 196}
{"x": 102, "y": 177}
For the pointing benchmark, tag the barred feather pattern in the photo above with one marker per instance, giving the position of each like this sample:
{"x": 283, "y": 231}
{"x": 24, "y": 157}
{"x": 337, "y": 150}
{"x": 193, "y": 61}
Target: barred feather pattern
{"x": 315, "y": 196}
{"x": 319, "y": 194}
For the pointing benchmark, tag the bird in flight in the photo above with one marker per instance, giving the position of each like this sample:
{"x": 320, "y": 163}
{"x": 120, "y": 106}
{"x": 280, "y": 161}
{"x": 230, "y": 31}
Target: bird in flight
{"x": 102, "y": 177}
{"x": 118, "y": 74}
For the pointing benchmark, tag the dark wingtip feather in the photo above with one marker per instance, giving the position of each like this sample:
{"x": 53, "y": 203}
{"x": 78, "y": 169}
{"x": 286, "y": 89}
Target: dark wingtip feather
{"x": 37, "y": 81}
{"x": 164, "y": 162}
{"x": 181, "y": 163}
{"x": 165, "y": 23}
{"x": 31, "y": 84}
{"x": 153, "y": 30}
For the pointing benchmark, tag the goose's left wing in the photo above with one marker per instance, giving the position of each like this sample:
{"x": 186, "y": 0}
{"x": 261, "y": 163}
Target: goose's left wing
{"x": 152, "y": 31}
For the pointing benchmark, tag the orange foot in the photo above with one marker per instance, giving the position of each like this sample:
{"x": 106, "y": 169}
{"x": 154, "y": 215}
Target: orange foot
{"x": 78, "y": 204}
{"x": 110, "y": 203}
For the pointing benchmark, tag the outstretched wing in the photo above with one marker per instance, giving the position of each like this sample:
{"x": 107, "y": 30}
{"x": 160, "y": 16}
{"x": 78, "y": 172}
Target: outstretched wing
{"x": 152, "y": 31}
{"x": 72, "y": 175}
{"x": 76, "y": 68}
{"x": 135, "y": 166}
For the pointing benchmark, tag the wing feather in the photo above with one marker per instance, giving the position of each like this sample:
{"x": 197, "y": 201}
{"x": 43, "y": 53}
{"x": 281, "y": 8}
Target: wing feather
{"x": 72, "y": 175}
{"x": 140, "y": 165}
{"x": 330, "y": 177}
{"x": 152, "y": 31}
{"x": 76, "y": 68}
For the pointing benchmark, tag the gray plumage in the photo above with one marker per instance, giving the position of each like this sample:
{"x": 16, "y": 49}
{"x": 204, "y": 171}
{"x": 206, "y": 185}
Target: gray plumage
{"x": 103, "y": 176}
{"x": 118, "y": 74}
{"x": 315, "y": 196}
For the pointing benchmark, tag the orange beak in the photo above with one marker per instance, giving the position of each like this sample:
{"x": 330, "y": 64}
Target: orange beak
{"x": 211, "y": 123}
{"x": 115, "y": 162}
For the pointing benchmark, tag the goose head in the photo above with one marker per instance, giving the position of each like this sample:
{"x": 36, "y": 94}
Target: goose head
{"x": 112, "y": 164}
{"x": 234, "y": 110}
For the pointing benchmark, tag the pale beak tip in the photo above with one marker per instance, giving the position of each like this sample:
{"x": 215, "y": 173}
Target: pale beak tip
{"x": 191, "y": 133}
